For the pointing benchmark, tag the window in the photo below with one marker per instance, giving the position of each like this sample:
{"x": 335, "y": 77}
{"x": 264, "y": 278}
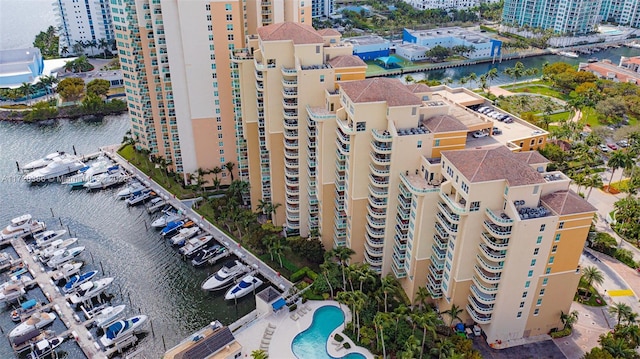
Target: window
{"x": 230, "y": 37}
{"x": 536, "y": 312}
{"x": 551, "y": 259}
{"x": 227, "y": 7}
{"x": 219, "y": 136}
{"x": 542, "y": 292}
{"x": 539, "y": 240}
{"x": 545, "y": 281}
{"x": 361, "y": 126}
{"x": 527, "y": 284}
{"x": 413, "y": 111}
{"x": 207, "y": 7}
{"x": 208, "y": 17}
{"x": 560, "y": 225}
{"x": 548, "y": 270}
{"x": 229, "y": 27}
{"x": 210, "y": 27}
{"x": 530, "y": 274}
{"x": 554, "y": 248}
{"x": 521, "y": 304}
{"x": 533, "y": 262}
{"x": 533, "y": 142}
{"x": 437, "y": 143}
{"x": 557, "y": 239}
{"x": 542, "y": 227}
{"x": 229, "y": 17}
{"x": 519, "y": 315}
{"x": 539, "y": 302}
{"x": 321, "y": 78}
{"x": 506, "y": 191}
{"x": 219, "y": 128}
{"x": 535, "y": 251}
{"x": 475, "y": 206}
{"x": 338, "y": 77}
{"x": 420, "y": 144}
{"x": 317, "y": 49}
{"x": 222, "y": 152}
{"x": 524, "y": 294}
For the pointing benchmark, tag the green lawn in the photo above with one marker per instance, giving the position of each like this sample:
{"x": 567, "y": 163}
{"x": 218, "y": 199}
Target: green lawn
{"x": 557, "y": 117}
{"x": 541, "y": 90}
{"x": 590, "y": 117}
{"x": 594, "y": 300}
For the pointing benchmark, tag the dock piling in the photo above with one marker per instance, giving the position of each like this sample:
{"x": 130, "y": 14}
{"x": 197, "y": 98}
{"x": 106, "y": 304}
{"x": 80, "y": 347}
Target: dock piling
{"x": 18, "y": 166}
{"x": 164, "y": 345}
{"x": 93, "y": 261}
{"x": 74, "y": 150}
{"x": 152, "y": 331}
{"x": 101, "y": 267}
{"x": 52, "y": 215}
{"x": 60, "y": 220}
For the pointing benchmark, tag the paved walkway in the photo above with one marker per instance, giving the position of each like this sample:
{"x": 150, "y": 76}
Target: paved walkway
{"x": 246, "y": 256}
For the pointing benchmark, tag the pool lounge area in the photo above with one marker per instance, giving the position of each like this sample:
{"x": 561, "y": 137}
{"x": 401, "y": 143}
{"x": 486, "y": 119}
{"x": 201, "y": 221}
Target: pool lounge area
{"x": 285, "y": 334}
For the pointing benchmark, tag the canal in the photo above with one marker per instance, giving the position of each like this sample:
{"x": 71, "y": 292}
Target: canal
{"x": 150, "y": 276}
{"x": 456, "y": 73}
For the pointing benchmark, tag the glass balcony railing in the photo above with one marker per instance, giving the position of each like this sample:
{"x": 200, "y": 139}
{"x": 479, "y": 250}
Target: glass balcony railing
{"x": 382, "y": 136}
{"x": 489, "y": 266}
{"x": 497, "y": 231}
{"x": 377, "y": 202}
{"x": 497, "y": 244}
{"x": 382, "y": 148}
{"x": 489, "y": 289}
{"x": 491, "y": 254}
{"x": 449, "y": 227}
{"x": 487, "y": 276}
{"x": 449, "y": 214}
{"x": 499, "y": 219}
{"x": 479, "y": 307}
{"x": 478, "y": 317}
{"x": 481, "y": 296}
{"x": 457, "y": 207}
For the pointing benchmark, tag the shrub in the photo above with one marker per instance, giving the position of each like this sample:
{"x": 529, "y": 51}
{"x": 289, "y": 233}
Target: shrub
{"x": 293, "y": 307}
{"x": 302, "y": 273}
{"x": 561, "y": 333}
{"x": 347, "y": 346}
{"x": 338, "y": 338}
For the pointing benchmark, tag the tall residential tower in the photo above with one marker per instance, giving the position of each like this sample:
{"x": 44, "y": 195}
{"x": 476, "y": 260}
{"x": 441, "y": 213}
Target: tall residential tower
{"x": 84, "y": 22}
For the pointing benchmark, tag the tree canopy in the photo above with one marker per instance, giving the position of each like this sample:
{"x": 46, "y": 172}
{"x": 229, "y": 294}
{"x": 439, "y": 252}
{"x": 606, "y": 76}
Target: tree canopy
{"x": 47, "y": 42}
{"x": 71, "y": 89}
{"x": 98, "y": 87}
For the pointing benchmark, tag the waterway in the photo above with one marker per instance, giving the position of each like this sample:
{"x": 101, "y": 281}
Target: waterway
{"x": 22, "y": 20}
{"x": 151, "y": 277}
{"x": 456, "y": 73}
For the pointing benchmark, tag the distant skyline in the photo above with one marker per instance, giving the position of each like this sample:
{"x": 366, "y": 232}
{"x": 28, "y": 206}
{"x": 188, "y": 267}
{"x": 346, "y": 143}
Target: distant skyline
{"x": 22, "y": 20}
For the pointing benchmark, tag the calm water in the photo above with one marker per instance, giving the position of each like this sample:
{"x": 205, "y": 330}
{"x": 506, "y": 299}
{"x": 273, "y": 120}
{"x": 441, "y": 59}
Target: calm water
{"x": 530, "y": 62}
{"x": 22, "y": 20}
{"x": 151, "y": 278}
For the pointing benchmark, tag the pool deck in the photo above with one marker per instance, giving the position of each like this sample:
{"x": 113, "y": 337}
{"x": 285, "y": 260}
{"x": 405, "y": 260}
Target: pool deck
{"x": 285, "y": 328}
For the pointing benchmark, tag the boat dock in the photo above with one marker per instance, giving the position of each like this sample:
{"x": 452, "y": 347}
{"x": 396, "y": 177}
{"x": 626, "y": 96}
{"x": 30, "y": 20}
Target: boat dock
{"x": 234, "y": 247}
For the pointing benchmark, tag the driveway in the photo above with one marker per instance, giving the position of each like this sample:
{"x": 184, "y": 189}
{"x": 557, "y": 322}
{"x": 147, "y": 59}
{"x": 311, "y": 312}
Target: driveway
{"x": 546, "y": 349}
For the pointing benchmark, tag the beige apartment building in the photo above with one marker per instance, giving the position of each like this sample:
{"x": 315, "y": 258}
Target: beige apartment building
{"x": 181, "y": 85}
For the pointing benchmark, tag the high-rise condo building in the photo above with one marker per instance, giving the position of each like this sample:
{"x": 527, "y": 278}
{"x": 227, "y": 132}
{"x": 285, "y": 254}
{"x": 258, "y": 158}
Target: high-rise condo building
{"x": 85, "y": 23}
{"x": 180, "y": 82}
{"x": 321, "y": 8}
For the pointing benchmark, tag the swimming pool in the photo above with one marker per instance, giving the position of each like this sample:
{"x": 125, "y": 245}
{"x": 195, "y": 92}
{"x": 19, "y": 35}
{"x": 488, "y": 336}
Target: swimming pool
{"x": 312, "y": 343}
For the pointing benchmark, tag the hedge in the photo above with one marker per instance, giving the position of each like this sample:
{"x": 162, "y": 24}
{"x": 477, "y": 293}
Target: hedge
{"x": 304, "y": 272}
{"x": 561, "y": 333}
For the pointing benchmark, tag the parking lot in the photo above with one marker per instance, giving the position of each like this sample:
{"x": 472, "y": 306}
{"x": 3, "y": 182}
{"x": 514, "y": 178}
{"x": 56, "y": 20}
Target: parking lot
{"x": 540, "y": 350}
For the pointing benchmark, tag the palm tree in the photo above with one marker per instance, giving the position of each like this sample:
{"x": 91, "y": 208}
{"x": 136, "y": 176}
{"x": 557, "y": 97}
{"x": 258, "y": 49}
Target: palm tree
{"x": 410, "y": 348}
{"x": 593, "y": 181}
{"x": 428, "y": 321}
{"x": 359, "y": 302}
{"x": 516, "y": 72}
{"x": 617, "y": 160}
{"x": 216, "y": 170}
{"x": 324, "y": 268}
{"x": 343, "y": 254}
{"x": 347, "y": 299}
{"x": 388, "y": 285}
{"x": 64, "y": 51}
{"x": 568, "y": 320}
{"x": 380, "y": 321}
{"x": 421, "y": 296}
{"x": 259, "y": 354}
{"x": 104, "y": 45}
{"x": 591, "y": 275}
{"x": 229, "y": 166}
{"x": 620, "y": 310}
{"x": 453, "y": 313}
{"x": 618, "y": 348}
{"x": 278, "y": 247}
{"x": 26, "y": 89}
{"x": 48, "y": 81}
{"x": 491, "y": 75}
{"x": 365, "y": 274}
{"x": 201, "y": 180}
{"x": 78, "y": 48}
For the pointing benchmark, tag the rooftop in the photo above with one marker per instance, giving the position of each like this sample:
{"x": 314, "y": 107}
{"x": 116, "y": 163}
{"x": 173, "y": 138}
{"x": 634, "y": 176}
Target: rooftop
{"x": 410, "y": 46}
{"x": 367, "y": 40}
{"x": 606, "y": 68}
{"x": 379, "y": 89}
{"x": 206, "y": 344}
{"x": 418, "y": 88}
{"x": 329, "y": 32}
{"x": 269, "y": 294}
{"x": 18, "y": 56}
{"x": 499, "y": 163}
{"x": 458, "y": 32}
{"x": 292, "y": 31}
{"x": 566, "y": 202}
{"x": 444, "y": 123}
{"x": 531, "y": 157}
{"x": 346, "y": 61}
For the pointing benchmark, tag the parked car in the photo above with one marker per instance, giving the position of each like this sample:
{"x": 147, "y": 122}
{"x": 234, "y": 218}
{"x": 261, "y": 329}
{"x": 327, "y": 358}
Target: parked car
{"x": 508, "y": 120}
{"x": 479, "y": 134}
{"x": 623, "y": 143}
{"x": 603, "y": 148}
{"x": 496, "y": 131}
{"x": 612, "y": 146}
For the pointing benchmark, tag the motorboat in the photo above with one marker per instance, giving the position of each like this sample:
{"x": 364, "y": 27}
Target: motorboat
{"x": 133, "y": 187}
{"x": 247, "y": 285}
{"x": 55, "y": 247}
{"x": 77, "y": 280}
{"x": 121, "y": 329}
{"x": 223, "y": 277}
{"x": 44, "y": 348}
{"x": 48, "y": 237}
{"x": 108, "y": 315}
{"x": 90, "y": 290}
{"x": 42, "y": 162}
{"x": 26, "y": 308}
{"x": 206, "y": 254}
{"x": 18, "y": 270}
{"x": 24, "y": 280}
{"x": 60, "y": 166}
{"x": 184, "y": 235}
{"x": 173, "y": 227}
{"x": 167, "y": 217}
{"x": 156, "y": 204}
{"x": 569, "y": 54}
{"x": 113, "y": 176}
{"x": 86, "y": 173}
{"x": 22, "y": 226}
{"x": 6, "y": 261}
{"x": 67, "y": 270}
{"x": 139, "y": 197}
{"x": 65, "y": 257}
{"x": 194, "y": 244}
{"x": 23, "y": 342}
{"x": 11, "y": 292}
{"x": 37, "y": 320}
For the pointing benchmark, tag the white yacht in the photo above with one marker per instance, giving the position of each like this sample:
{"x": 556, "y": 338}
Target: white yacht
{"x": 194, "y": 244}
{"x": 206, "y": 254}
{"x": 46, "y": 238}
{"x": 77, "y": 280}
{"x": 22, "y": 226}
{"x": 38, "y": 320}
{"x": 67, "y": 270}
{"x": 108, "y": 315}
{"x": 113, "y": 176}
{"x": 53, "y": 248}
{"x": 42, "y": 162}
{"x": 133, "y": 187}
{"x": 247, "y": 285}
{"x": 90, "y": 290}
{"x": 569, "y": 54}
{"x": 225, "y": 276}
{"x": 86, "y": 173}
{"x": 183, "y": 235}
{"x": 156, "y": 204}
{"x": 168, "y": 216}
{"x": 139, "y": 197}
{"x": 60, "y": 166}
{"x": 44, "y": 348}
{"x": 11, "y": 291}
{"x": 64, "y": 257}
{"x": 122, "y": 329}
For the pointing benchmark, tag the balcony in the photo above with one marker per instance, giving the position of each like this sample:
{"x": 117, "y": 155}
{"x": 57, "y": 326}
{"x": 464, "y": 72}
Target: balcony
{"x": 399, "y": 262}
{"x": 436, "y": 292}
{"x": 449, "y": 227}
{"x": 339, "y": 242}
{"x": 290, "y": 104}
{"x": 382, "y": 136}
{"x": 381, "y": 160}
{"x": 479, "y": 307}
{"x": 379, "y": 181}
{"x": 343, "y": 137}
{"x": 343, "y": 149}
{"x": 376, "y": 213}
{"x": 478, "y": 317}
{"x": 377, "y": 202}
{"x": 291, "y": 144}
{"x": 441, "y": 232}
{"x": 291, "y": 154}
{"x": 398, "y": 272}
{"x": 292, "y": 191}
{"x": 340, "y": 166}
{"x": 320, "y": 113}
{"x": 481, "y": 296}
{"x": 489, "y": 266}
{"x": 438, "y": 265}
{"x": 402, "y": 224}
{"x": 417, "y": 184}
{"x": 291, "y": 164}
{"x": 378, "y": 192}
{"x": 497, "y": 231}
{"x": 311, "y": 132}
{"x": 289, "y": 94}
{"x": 373, "y": 232}
{"x": 290, "y": 83}
{"x": 286, "y": 71}
{"x": 379, "y": 171}
{"x": 292, "y": 208}
{"x": 290, "y": 125}
{"x": 491, "y": 254}
{"x": 483, "y": 287}
{"x": 381, "y": 148}
{"x": 499, "y": 219}
{"x": 400, "y": 243}
{"x": 403, "y": 213}
{"x": 293, "y": 199}
{"x": 375, "y": 223}
{"x": 373, "y": 261}
{"x": 455, "y": 218}
{"x": 290, "y": 114}
{"x": 487, "y": 276}
{"x": 438, "y": 252}
{"x": 497, "y": 244}
{"x": 457, "y": 207}
{"x": 374, "y": 242}
{"x": 372, "y": 252}
{"x": 403, "y": 202}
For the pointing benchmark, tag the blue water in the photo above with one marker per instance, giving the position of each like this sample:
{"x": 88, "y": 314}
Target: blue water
{"x": 312, "y": 343}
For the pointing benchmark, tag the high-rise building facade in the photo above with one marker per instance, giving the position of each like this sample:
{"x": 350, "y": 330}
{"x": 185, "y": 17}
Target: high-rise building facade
{"x": 83, "y": 22}
{"x": 321, "y": 8}
{"x": 180, "y": 82}
{"x": 623, "y": 12}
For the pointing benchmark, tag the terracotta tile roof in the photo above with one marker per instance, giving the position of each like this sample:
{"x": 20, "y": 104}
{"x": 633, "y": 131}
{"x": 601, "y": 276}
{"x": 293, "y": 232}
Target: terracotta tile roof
{"x": 293, "y": 31}
{"x": 329, "y": 32}
{"x": 494, "y": 164}
{"x": 443, "y": 123}
{"x": 633, "y": 60}
{"x": 567, "y": 202}
{"x": 531, "y": 157}
{"x": 346, "y": 61}
{"x": 605, "y": 69}
{"x": 379, "y": 89}
{"x": 418, "y": 88}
